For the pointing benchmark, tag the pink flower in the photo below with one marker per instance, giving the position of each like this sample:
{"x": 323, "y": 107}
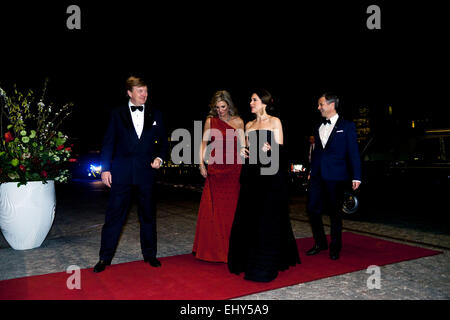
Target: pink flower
{"x": 60, "y": 147}
{"x": 22, "y": 168}
{"x": 44, "y": 173}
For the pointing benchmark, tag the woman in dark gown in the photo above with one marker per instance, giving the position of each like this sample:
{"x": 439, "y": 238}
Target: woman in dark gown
{"x": 262, "y": 242}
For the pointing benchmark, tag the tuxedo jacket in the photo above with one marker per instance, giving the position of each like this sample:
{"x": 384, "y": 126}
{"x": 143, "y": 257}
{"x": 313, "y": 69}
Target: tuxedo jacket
{"x": 128, "y": 157}
{"x": 339, "y": 160}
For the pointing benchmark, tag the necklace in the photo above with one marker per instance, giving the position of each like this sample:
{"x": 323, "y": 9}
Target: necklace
{"x": 228, "y": 119}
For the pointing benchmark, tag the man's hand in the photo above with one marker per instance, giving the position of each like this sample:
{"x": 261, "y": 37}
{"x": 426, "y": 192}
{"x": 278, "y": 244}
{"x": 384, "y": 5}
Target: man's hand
{"x": 355, "y": 185}
{"x": 156, "y": 164}
{"x": 107, "y": 178}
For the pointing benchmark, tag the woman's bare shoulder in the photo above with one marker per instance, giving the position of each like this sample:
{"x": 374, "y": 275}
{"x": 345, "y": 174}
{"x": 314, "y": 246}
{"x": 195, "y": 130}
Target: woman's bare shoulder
{"x": 208, "y": 121}
{"x": 237, "y": 120}
{"x": 249, "y": 124}
{"x": 274, "y": 119}
{"x": 275, "y": 122}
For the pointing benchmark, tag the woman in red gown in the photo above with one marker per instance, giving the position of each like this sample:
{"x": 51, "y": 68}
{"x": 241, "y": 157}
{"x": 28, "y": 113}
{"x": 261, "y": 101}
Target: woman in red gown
{"x": 224, "y": 128}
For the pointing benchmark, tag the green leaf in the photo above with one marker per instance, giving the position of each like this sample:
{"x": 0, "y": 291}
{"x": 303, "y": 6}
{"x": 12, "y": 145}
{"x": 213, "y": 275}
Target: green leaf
{"x": 13, "y": 175}
{"x": 25, "y": 139}
{"x": 15, "y": 162}
{"x": 60, "y": 141}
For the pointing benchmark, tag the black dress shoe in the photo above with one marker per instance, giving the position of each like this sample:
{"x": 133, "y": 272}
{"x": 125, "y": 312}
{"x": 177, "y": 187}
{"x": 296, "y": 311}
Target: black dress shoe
{"x": 153, "y": 262}
{"x": 101, "y": 265}
{"x": 315, "y": 250}
{"x": 334, "y": 255}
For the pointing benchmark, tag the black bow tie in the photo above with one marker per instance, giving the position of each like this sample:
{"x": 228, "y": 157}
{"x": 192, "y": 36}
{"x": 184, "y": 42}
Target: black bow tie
{"x": 134, "y": 108}
{"x": 325, "y": 121}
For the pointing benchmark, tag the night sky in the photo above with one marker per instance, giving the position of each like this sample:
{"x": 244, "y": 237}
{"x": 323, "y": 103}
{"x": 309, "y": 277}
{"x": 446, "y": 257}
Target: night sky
{"x": 187, "y": 50}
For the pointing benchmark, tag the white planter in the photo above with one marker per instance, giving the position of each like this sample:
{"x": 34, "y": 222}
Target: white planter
{"x": 26, "y": 213}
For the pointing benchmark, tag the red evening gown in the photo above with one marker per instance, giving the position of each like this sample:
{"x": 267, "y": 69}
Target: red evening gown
{"x": 219, "y": 198}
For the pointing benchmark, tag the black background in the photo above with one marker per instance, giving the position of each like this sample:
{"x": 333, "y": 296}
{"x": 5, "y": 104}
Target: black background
{"x": 189, "y": 49}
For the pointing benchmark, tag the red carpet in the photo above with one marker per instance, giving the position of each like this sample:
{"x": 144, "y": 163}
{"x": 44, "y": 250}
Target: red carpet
{"x": 185, "y": 278}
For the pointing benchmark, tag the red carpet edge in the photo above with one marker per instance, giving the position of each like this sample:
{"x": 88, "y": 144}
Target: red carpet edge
{"x": 183, "y": 277}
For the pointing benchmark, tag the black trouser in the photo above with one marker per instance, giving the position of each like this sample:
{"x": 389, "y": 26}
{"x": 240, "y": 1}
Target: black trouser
{"x": 326, "y": 196}
{"x": 116, "y": 213}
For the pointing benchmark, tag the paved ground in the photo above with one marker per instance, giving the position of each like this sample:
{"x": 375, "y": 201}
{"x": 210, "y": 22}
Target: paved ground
{"x": 75, "y": 238}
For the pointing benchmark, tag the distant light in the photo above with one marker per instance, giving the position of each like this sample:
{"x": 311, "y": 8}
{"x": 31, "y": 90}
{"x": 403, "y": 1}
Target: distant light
{"x": 438, "y": 131}
{"x": 413, "y": 125}
{"x": 390, "y": 110}
{"x": 95, "y": 168}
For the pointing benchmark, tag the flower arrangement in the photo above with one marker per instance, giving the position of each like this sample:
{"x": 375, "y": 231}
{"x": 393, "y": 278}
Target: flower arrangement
{"x": 32, "y": 148}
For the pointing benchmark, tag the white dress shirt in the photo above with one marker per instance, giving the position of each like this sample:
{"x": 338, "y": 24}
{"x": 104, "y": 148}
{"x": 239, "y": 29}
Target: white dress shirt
{"x": 326, "y": 129}
{"x": 138, "y": 119}
{"x": 138, "y": 122}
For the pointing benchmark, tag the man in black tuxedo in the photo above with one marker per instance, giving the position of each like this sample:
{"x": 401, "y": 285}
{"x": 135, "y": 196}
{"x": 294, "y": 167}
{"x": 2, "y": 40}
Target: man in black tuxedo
{"x": 335, "y": 161}
{"x": 134, "y": 146}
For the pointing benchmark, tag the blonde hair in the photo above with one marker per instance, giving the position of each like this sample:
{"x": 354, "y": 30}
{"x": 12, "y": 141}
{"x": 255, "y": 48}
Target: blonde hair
{"x": 222, "y": 95}
{"x": 134, "y": 82}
